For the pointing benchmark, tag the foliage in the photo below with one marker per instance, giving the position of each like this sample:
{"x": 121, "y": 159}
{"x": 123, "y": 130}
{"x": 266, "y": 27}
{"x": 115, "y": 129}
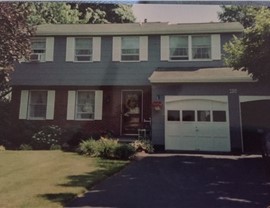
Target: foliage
{"x": 243, "y": 14}
{"x": 124, "y": 151}
{"x": 14, "y": 40}
{"x": 142, "y": 145}
{"x": 105, "y": 13}
{"x": 251, "y": 52}
{"x": 25, "y": 147}
{"x": 2, "y": 148}
{"x": 52, "y": 13}
{"x": 106, "y": 148}
{"x": 5, "y": 122}
{"x": 46, "y": 137}
{"x": 55, "y": 147}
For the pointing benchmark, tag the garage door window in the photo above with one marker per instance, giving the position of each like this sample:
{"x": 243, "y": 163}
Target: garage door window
{"x": 204, "y": 115}
{"x": 188, "y": 115}
{"x": 219, "y": 116}
{"x": 173, "y": 115}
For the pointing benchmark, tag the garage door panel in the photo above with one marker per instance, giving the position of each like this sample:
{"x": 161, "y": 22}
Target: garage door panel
{"x": 203, "y": 123}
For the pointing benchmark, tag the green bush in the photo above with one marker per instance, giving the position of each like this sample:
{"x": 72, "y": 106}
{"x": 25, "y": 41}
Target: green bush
{"x": 55, "y": 147}
{"x": 124, "y": 151}
{"x": 89, "y": 147}
{"x": 143, "y": 145}
{"x": 106, "y": 148}
{"x": 46, "y": 137}
{"x": 2, "y": 148}
{"x": 25, "y": 147}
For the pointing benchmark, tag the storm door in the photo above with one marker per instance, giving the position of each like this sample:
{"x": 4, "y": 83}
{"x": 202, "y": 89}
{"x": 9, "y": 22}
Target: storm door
{"x": 131, "y": 116}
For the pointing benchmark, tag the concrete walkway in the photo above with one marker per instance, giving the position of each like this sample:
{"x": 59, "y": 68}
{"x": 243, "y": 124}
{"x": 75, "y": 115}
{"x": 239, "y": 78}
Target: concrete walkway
{"x": 183, "y": 180}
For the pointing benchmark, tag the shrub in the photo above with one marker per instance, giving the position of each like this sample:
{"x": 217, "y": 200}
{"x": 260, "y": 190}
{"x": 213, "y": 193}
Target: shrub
{"x": 124, "y": 151}
{"x": 106, "y": 148}
{"x": 55, "y": 147}
{"x": 46, "y": 137}
{"x": 2, "y": 148}
{"x": 89, "y": 147}
{"x": 143, "y": 145}
{"x": 25, "y": 147}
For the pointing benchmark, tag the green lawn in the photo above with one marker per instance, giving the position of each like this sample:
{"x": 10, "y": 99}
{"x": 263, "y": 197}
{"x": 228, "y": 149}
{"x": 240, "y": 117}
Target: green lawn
{"x": 48, "y": 178}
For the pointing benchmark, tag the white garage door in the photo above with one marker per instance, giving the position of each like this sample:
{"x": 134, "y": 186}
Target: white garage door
{"x": 198, "y": 123}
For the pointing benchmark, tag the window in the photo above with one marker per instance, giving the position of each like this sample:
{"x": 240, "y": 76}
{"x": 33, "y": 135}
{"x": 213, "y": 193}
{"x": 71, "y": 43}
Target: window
{"x": 38, "y": 48}
{"x": 188, "y": 115}
{"x": 130, "y": 49}
{"x": 37, "y": 104}
{"x": 85, "y": 105}
{"x": 201, "y": 47}
{"x": 178, "y": 47}
{"x": 219, "y": 116}
{"x": 203, "y": 115}
{"x": 173, "y": 115}
{"x": 83, "y": 49}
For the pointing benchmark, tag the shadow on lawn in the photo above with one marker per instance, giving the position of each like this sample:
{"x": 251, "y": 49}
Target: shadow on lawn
{"x": 106, "y": 168}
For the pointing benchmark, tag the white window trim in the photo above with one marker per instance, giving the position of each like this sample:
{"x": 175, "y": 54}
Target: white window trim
{"x": 117, "y": 49}
{"x": 96, "y": 50}
{"x": 215, "y": 48}
{"x": 91, "y": 55}
{"x": 72, "y": 104}
{"x": 24, "y": 112}
{"x": 49, "y": 51}
{"x": 76, "y": 103}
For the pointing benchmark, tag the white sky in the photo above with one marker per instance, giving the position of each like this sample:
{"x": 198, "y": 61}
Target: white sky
{"x": 176, "y": 13}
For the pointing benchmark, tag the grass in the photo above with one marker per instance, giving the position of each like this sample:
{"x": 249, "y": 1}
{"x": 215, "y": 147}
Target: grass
{"x": 49, "y": 178}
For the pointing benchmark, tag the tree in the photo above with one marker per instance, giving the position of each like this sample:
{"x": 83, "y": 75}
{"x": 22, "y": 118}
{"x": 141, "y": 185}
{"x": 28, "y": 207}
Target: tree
{"x": 15, "y": 36}
{"x": 73, "y": 13}
{"x": 105, "y": 13}
{"x": 52, "y": 13}
{"x": 243, "y": 14}
{"x": 251, "y": 52}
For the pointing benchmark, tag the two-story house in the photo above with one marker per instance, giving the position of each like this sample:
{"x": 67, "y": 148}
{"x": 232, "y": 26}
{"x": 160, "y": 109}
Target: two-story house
{"x": 117, "y": 77}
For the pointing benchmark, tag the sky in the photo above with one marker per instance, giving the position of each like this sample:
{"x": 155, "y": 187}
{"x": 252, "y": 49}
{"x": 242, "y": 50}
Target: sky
{"x": 176, "y": 13}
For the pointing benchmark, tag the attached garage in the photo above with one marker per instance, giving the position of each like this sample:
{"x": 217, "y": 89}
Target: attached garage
{"x": 197, "y": 123}
{"x": 255, "y": 117}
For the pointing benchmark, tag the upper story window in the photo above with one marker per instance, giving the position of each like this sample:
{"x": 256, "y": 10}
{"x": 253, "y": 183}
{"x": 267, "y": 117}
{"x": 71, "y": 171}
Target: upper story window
{"x": 42, "y": 49}
{"x": 83, "y": 49}
{"x": 130, "y": 48}
{"x": 201, "y": 47}
{"x": 37, "y": 104}
{"x": 178, "y": 47}
{"x": 190, "y": 47}
{"x": 38, "y": 49}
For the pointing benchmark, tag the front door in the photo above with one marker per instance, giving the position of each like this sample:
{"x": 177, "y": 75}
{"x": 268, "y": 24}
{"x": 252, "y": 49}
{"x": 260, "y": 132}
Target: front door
{"x": 131, "y": 112}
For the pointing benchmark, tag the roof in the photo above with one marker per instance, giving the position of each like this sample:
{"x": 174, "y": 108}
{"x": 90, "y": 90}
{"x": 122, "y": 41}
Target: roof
{"x": 202, "y": 75}
{"x": 137, "y": 28}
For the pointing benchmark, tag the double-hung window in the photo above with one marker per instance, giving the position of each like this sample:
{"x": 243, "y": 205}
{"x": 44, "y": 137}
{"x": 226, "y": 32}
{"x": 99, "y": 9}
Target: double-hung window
{"x": 38, "y": 49}
{"x": 37, "y": 104}
{"x": 83, "y": 49}
{"x": 85, "y": 105}
{"x": 178, "y": 47}
{"x": 201, "y": 47}
{"x": 130, "y": 49}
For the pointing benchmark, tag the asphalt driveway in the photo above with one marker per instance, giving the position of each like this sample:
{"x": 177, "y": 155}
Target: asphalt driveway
{"x": 184, "y": 181}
